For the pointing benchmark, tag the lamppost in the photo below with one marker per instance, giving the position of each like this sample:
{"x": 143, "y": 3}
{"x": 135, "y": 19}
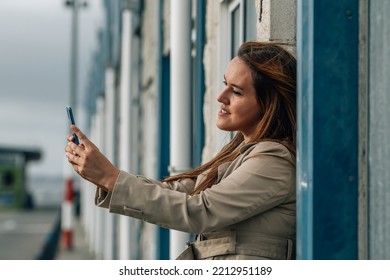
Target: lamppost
{"x": 67, "y": 212}
{"x": 75, "y": 5}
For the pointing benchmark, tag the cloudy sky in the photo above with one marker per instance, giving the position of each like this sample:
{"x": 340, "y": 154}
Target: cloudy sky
{"x": 34, "y": 74}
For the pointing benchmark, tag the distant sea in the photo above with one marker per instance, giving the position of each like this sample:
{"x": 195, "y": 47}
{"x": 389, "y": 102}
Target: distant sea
{"x": 46, "y": 191}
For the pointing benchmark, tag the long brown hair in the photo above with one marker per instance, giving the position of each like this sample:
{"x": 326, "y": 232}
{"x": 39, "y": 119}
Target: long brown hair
{"x": 274, "y": 78}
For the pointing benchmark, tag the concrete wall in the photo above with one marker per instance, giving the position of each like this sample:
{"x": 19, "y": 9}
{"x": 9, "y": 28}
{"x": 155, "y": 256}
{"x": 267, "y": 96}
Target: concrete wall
{"x": 277, "y": 20}
{"x": 379, "y": 131}
{"x": 211, "y": 79}
{"x": 374, "y": 130}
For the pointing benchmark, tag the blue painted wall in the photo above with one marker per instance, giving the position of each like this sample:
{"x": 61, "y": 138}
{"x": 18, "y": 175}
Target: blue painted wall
{"x": 327, "y": 181}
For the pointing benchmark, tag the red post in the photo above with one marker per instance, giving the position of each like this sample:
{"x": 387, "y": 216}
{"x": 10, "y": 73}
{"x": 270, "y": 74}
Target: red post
{"x": 67, "y": 214}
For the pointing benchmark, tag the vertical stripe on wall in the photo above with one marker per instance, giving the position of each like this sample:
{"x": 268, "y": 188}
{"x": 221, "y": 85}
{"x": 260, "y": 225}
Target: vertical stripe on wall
{"x": 327, "y": 151}
{"x": 198, "y": 132}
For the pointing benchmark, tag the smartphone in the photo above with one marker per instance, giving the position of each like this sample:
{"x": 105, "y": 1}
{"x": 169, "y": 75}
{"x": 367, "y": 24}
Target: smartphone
{"x": 71, "y": 120}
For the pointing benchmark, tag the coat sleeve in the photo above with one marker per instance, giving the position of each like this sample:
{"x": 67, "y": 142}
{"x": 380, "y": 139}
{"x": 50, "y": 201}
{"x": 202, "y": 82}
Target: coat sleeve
{"x": 260, "y": 183}
{"x": 102, "y": 197}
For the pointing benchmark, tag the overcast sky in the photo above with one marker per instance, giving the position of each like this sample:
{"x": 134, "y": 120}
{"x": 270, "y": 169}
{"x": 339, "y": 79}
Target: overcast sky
{"x": 34, "y": 75}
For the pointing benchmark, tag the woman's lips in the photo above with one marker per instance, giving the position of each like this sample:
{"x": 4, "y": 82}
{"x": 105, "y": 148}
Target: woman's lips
{"x": 223, "y": 112}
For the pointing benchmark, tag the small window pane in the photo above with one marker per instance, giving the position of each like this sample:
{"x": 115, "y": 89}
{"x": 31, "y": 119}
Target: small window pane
{"x": 236, "y": 29}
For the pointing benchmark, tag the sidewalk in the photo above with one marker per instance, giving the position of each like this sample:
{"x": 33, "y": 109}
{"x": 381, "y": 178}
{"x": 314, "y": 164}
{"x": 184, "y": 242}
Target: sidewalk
{"x": 80, "y": 250}
{"x": 28, "y": 234}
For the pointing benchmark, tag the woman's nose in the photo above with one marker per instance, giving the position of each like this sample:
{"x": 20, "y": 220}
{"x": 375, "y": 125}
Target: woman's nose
{"x": 222, "y": 97}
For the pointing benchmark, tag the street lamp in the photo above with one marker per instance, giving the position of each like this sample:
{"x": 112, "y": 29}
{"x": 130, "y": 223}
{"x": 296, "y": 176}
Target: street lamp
{"x": 75, "y": 5}
{"x": 66, "y": 220}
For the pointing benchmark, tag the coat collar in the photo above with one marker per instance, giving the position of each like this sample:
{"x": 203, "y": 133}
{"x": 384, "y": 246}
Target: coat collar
{"x": 243, "y": 147}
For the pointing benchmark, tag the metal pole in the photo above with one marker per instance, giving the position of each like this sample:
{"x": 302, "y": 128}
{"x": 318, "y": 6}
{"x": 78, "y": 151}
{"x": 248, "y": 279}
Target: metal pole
{"x": 68, "y": 176}
{"x": 125, "y": 249}
{"x": 180, "y": 134}
{"x": 75, "y": 5}
{"x": 74, "y": 56}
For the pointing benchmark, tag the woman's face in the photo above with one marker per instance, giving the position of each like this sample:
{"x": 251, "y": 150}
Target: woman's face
{"x": 240, "y": 110}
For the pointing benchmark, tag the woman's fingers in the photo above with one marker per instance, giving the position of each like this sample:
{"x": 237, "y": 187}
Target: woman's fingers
{"x": 71, "y": 158}
{"x": 71, "y": 153}
{"x": 75, "y": 149}
{"x": 84, "y": 139}
{"x": 89, "y": 162}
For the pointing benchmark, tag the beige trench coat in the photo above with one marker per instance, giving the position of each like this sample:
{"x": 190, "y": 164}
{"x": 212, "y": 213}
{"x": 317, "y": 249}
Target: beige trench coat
{"x": 248, "y": 214}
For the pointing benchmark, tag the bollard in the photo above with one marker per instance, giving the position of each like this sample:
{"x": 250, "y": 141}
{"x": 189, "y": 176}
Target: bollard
{"x": 67, "y": 215}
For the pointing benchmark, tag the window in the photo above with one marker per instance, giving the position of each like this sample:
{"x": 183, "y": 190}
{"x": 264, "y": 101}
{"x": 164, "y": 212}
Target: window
{"x": 236, "y": 19}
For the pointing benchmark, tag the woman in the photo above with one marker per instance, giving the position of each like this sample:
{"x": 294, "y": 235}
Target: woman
{"x": 241, "y": 204}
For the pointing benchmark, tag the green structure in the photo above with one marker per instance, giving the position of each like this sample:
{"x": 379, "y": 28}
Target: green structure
{"x": 13, "y": 162}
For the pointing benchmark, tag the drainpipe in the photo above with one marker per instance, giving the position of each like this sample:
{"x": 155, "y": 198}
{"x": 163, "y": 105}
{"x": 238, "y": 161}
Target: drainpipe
{"x": 109, "y": 150}
{"x": 163, "y": 110}
{"x": 124, "y": 127}
{"x": 199, "y": 82}
{"x": 91, "y": 211}
{"x": 129, "y": 245}
{"x": 180, "y": 133}
{"x": 99, "y": 212}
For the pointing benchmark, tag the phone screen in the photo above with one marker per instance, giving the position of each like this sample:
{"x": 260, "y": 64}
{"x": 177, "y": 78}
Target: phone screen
{"x": 72, "y": 121}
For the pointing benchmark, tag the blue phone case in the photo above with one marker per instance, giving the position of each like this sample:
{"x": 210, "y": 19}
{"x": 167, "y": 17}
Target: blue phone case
{"x": 71, "y": 120}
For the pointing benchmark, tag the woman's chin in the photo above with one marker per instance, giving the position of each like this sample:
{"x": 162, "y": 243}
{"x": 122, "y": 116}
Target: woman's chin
{"x": 221, "y": 126}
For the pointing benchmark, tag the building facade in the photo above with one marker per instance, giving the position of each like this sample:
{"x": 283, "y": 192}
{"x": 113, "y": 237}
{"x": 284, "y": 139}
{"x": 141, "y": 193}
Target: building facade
{"x": 151, "y": 103}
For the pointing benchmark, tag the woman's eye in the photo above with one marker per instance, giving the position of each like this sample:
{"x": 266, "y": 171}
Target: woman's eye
{"x": 234, "y": 91}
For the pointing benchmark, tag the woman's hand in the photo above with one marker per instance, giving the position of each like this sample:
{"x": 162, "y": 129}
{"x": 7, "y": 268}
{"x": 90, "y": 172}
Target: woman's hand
{"x": 90, "y": 163}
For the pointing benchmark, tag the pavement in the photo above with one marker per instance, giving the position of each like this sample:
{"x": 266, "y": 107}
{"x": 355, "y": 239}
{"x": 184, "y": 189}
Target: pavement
{"x": 28, "y": 234}
{"x": 35, "y": 234}
{"x": 79, "y": 249}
